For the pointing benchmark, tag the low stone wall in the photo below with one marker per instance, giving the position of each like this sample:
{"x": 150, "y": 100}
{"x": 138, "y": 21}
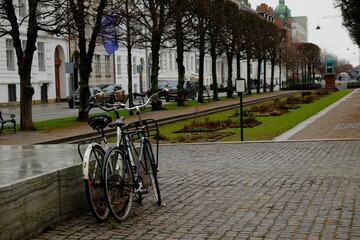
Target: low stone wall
{"x": 31, "y": 205}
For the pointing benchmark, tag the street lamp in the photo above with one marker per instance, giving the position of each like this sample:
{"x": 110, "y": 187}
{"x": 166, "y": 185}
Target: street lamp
{"x": 324, "y": 17}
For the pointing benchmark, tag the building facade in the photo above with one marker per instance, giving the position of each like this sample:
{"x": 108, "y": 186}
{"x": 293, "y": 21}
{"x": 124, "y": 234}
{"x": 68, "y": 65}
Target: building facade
{"x": 55, "y": 73}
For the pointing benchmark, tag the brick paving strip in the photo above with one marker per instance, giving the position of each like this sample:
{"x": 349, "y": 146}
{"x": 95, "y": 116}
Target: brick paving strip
{"x": 339, "y": 121}
{"x": 249, "y": 190}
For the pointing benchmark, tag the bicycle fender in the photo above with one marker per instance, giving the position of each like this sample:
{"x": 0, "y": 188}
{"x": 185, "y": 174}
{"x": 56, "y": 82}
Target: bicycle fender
{"x": 85, "y": 164}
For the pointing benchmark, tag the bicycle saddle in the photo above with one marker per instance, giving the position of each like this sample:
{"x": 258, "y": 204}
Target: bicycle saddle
{"x": 119, "y": 122}
{"x": 100, "y": 121}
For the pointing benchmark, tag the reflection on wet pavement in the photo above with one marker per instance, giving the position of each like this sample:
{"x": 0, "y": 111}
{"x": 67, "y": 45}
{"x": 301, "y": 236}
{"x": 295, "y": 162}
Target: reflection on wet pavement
{"x": 26, "y": 161}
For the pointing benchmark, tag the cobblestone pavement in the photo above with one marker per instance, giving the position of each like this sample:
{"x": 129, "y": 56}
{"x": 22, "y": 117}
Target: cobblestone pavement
{"x": 249, "y": 190}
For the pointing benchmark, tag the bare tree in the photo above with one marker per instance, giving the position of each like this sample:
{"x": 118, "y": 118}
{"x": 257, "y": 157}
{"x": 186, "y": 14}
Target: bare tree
{"x": 37, "y": 17}
{"x": 155, "y": 18}
{"x": 250, "y": 36}
{"x": 215, "y": 23}
{"x": 201, "y": 11}
{"x": 228, "y": 39}
{"x": 129, "y": 32}
{"x": 312, "y": 55}
{"x": 84, "y": 25}
{"x": 276, "y": 38}
{"x": 260, "y": 49}
{"x": 181, "y": 24}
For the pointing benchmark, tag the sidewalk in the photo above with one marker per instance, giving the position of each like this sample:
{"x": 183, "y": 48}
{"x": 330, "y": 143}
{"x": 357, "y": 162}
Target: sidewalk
{"x": 244, "y": 190}
{"x": 341, "y": 120}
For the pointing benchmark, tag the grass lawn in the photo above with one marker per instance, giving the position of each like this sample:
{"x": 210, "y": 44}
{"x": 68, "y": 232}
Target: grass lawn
{"x": 270, "y": 127}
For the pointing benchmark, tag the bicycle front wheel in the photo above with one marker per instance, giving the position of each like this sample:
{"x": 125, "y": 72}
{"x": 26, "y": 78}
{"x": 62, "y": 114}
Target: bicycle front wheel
{"x": 119, "y": 184}
{"x": 94, "y": 186}
{"x": 151, "y": 169}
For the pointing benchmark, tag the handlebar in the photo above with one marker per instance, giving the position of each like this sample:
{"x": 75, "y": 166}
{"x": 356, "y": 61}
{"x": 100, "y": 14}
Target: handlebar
{"x": 137, "y": 107}
{"x": 115, "y": 106}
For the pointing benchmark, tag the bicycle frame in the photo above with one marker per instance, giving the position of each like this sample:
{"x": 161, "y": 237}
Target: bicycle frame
{"x": 121, "y": 171}
{"x": 136, "y": 130}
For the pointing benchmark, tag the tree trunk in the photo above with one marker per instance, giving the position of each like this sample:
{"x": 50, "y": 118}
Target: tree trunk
{"x": 181, "y": 97}
{"x": 249, "y": 83}
{"x": 238, "y": 67}
{"x": 272, "y": 76}
{"x": 26, "y": 93}
{"x": 280, "y": 79}
{"x": 85, "y": 70}
{"x": 129, "y": 60}
{"x": 155, "y": 49}
{"x": 230, "y": 88}
{"x": 201, "y": 60}
{"x": 213, "y": 72}
{"x": 258, "y": 76}
{"x": 265, "y": 83}
{"x": 129, "y": 73}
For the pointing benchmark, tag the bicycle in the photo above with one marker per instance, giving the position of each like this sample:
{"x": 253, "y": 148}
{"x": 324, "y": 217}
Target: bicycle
{"x": 92, "y": 162}
{"x": 129, "y": 162}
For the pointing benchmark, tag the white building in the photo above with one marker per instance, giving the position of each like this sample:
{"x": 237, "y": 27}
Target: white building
{"x": 299, "y": 29}
{"x": 55, "y": 68}
{"x": 48, "y": 72}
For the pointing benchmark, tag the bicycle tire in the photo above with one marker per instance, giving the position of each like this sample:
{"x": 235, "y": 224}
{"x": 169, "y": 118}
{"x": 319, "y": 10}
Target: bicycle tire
{"x": 119, "y": 183}
{"x": 94, "y": 186}
{"x": 151, "y": 169}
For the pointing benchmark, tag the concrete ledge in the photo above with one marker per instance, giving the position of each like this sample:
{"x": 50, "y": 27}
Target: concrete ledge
{"x": 31, "y": 205}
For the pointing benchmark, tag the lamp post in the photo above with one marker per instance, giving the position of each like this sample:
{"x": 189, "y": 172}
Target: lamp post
{"x": 240, "y": 89}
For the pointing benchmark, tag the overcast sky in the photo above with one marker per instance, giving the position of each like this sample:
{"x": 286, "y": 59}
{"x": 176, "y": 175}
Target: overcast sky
{"x": 332, "y": 36}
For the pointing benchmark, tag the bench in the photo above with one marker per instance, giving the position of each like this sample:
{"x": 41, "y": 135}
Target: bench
{"x": 207, "y": 95}
{"x": 9, "y": 120}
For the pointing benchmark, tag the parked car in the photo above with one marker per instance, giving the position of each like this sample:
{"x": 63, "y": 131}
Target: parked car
{"x": 112, "y": 93}
{"x": 172, "y": 91}
{"x": 162, "y": 84}
{"x": 74, "y": 99}
{"x": 120, "y": 96}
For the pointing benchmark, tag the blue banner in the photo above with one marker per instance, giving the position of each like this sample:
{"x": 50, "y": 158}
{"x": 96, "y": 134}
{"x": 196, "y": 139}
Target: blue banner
{"x": 108, "y": 34}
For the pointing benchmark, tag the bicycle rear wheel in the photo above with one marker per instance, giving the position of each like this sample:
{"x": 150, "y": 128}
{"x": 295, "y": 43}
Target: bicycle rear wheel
{"x": 119, "y": 184}
{"x": 151, "y": 169}
{"x": 94, "y": 186}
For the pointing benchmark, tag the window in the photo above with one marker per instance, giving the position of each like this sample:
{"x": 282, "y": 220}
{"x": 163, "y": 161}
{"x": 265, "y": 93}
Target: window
{"x": 134, "y": 65}
{"x": 160, "y": 62}
{"x": 12, "y": 92}
{"x": 187, "y": 62}
{"x": 22, "y": 8}
{"x": 165, "y": 61}
{"x": 107, "y": 65}
{"x": 176, "y": 63}
{"x": 23, "y": 44}
{"x": 118, "y": 65}
{"x": 41, "y": 56}
{"x": 192, "y": 63}
{"x": 170, "y": 62}
{"x": 97, "y": 65}
{"x": 10, "y": 54}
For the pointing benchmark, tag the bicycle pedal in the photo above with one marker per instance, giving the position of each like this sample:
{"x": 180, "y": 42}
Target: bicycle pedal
{"x": 142, "y": 190}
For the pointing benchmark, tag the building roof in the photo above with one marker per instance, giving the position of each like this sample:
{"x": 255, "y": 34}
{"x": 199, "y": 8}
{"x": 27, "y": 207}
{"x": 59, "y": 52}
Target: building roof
{"x": 282, "y": 10}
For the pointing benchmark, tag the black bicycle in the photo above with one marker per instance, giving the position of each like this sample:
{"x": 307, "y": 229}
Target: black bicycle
{"x": 130, "y": 168}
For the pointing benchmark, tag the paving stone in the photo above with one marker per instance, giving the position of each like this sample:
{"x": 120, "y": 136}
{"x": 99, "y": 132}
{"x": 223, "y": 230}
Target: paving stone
{"x": 296, "y": 190}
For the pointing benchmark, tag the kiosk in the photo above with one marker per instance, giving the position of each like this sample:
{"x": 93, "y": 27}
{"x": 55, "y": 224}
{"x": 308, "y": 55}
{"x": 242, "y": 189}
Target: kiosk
{"x": 330, "y": 74}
